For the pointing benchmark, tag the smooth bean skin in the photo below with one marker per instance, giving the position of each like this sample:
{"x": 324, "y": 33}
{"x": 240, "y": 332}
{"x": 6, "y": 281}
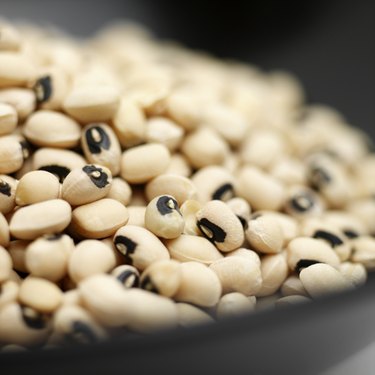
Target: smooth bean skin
{"x": 189, "y": 315}
{"x": 6, "y": 265}
{"x": 4, "y": 231}
{"x": 233, "y": 304}
{"x": 8, "y": 186}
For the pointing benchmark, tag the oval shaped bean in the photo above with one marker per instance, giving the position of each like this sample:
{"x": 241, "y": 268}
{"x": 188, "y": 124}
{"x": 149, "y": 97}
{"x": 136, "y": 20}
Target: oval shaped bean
{"x": 220, "y": 225}
{"x": 23, "y": 100}
{"x": 6, "y": 265}
{"x": 186, "y": 248}
{"x": 241, "y": 209}
{"x": 12, "y": 154}
{"x": 8, "y": 119}
{"x": 137, "y": 216}
{"x": 199, "y": 285}
{"x": 127, "y": 275}
{"x": 140, "y": 164}
{"x": 245, "y": 253}
{"x": 354, "y": 272}
{"x": 164, "y": 131}
{"x": 4, "y": 231}
{"x": 139, "y": 246}
{"x": 8, "y": 292}
{"x": 301, "y": 201}
{"x": 47, "y": 217}
{"x": 364, "y": 251}
{"x": 8, "y": 187}
{"x": 86, "y": 185}
{"x": 16, "y": 250}
{"x": 233, "y": 304}
{"x": 293, "y": 286}
{"x": 10, "y": 38}
{"x": 37, "y": 186}
{"x": 179, "y": 166}
{"x": 163, "y": 217}
{"x": 189, "y": 315}
{"x": 120, "y": 190}
{"x": 98, "y": 219}
{"x": 189, "y": 211}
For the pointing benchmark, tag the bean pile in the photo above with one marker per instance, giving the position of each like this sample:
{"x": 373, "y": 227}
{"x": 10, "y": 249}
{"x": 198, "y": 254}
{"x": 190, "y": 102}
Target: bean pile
{"x": 144, "y": 186}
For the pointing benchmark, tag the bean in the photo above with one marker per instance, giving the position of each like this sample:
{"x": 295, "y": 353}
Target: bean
{"x": 199, "y": 285}
{"x": 120, "y": 190}
{"x": 46, "y": 128}
{"x": 47, "y": 257}
{"x": 186, "y": 248}
{"x": 181, "y": 188}
{"x": 36, "y": 187}
{"x": 291, "y": 300}
{"x": 90, "y": 257}
{"x": 23, "y": 100}
{"x": 8, "y": 292}
{"x": 142, "y": 163}
{"x": 290, "y": 171}
{"x": 137, "y": 216}
{"x": 164, "y": 131}
{"x": 301, "y": 201}
{"x": 220, "y": 225}
{"x": 245, "y": 253}
{"x": 189, "y": 211}
{"x": 7, "y": 193}
{"x": 241, "y": 209}
{"x": 11, "y": 154}
{"x": 46, "y": 217}
{"x": 349, "y": 224}
{"x": 6, "y": 265}
{"x": 8, "y": 119}
{"x": 238, "y": 274}
{"x": 364, "y": 211}
{"x": 127, "y": 275}
{"x": 71, "y": 297}
{"x": 179, "y": 166}
{"x": 16, "y": 250}
{"x": 233, "y": 304}
{"x": 39, "y": 294}
{"x": 86, "y": 185}
{"x": 4, "y": 231}
{"x": 189, "y": 315}
{"x": 364, "y": 251}
{"x": 98, "y": 219}
{"x": 321, "y": 279}
{"x": 265, "y": 234}
{"x": 293, "y": 286}
{"x": 139, "y": 246}
{"x": 354, "y": 272}
{"x": 163, "y": 217}
{"x": 10, "y": 39}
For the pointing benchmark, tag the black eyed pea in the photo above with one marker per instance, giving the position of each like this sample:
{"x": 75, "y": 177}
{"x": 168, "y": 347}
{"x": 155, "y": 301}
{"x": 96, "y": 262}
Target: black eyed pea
{"x": 8, "y": 119}
{"x": 10, "y": 38}
{"x": 262, "y": 191}
{"x": 40, "y": 294}
{"x": 86, "y": 185}
{"x": 293, "y": 286}
{"x": 92, "y": 102}
{"x": 321, "y": 279}
{"x": 141, "y": 164}
{"x": 72, "y": 297}
{"x": 302, "y": 252}
{"x": 139, "y": 246}
{"x": 186, "y": 248}
{"x": 163, "y": 217}
{"x": 101, "y": 146}
{"x": 46, "y": 217}
{"x": 189, "y": 315}
{"x": 189, "y": 210}
{"x": 364, "y": 211}
{"x": 220, "y": 225}
{"x": 364, "y": 251}
{"x": 355, "y": 272}
{"x": 75, "y": 326}
{"x": 8, "y": 292}
{"x": 98, "y": 219}
{"x": 290, "y": 171}
{"x": 245, "y": 253}
{"x": 164, "y": 131}
{"x": 199, "y": 285}
{"x": 238, "y": 274}
{"x": 233, "y": 304}
{"x": 137, "y": 216}
{"x": 163, "y": 277}
{"x": 241, "y": 208}
{"x": 23, "y": 100}
{"x": 302, "y": 202}
{"x": 4, "y": 231}
{"x": 274, "y": 269}
{"x": 6, "y": 265}
{"x": 181, "y": 188}
{"x": 350, "y": 225}
{"x": 8, "y": 187}
{"x": 291, "y": 300}
{"x": 47, "y": 257}
{"x": 127, "y": 275}
{"x": 57, "y": 162}
{"x": 22, "y": 325}
{"x": 12, "y": 154}
{"x": 265, "y": 234}
{"x": 179, "y": 166}
{"x": 16, "y": 250}
{"x": 46, "y": 128}
{"x": 90, "y": 257}
{"x": 120, "y": 190}
{"x": 214, "y": 183}
{"x": 37, "y": 186}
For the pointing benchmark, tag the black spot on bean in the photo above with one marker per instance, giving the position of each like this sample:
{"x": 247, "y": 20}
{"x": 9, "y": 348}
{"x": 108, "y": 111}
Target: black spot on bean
{"x": 225, "y": 190}
{"x": 97, "y": 139}
{"x": 217, "y": 233}
{"x": 81, "y": 333}
{"x": 43, "y": 89}
{"x": 129, "y": 278}
{"x": 26, "y": 149}
{"x": 101, "y": 181}
{"x": 332, "y": 239}
{"x": 5, "y": 188}
{"x": 148, "y": 285}
{"x": 163, "y": 205}
{"x": 319, "y": 177}
{"x": 349, "y": 233}
{"x": 304, "y": 263}
{"x": 58, "y": 170}
{"x": 243, "y": 221}
{"x": 126, "y": 247}
{"x": 32, "y": 318}
{"x": 302, "y": 202}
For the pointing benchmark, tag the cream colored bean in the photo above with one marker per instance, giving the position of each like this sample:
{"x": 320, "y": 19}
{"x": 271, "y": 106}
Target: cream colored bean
{"x": 262, "y": 191}
{"x": 86, "y": 185}
{"x": 37, "y": 186}
{"x": 46, "y": 128}
{"x": 364, "y": 211}
{"x": 238, "y": 274}
{"x": 241, "y": 209}
{"x": 163, "y": 217}
{"x": 364, "y": 251}
{"x": 127, "y": 275}
{"x": 348, "y": 224}
{"x": 302, "y": 252}
{"x": 90, "y": 257}
{"x": 265, "y": 234}
{"x": 4, "y": 231}
{"x": 179, "y": 166}
{"x": 40, "y": 294}
{"x": 120, "y": 190}
{"x": 8, "y": 119}
{"x": 23, "y": 100}
{"x": 137, "y": 216}
{"x": 142, "y": 163}
{"x": 11, "y": 154}
{"x": 8, "y": 187}
{"x": 321, "y": 279}
{"x": 164, "y": 131}
{"x": 163, "y": 277}
{"x": 181, "y": 188}
{"x": 291, "y": 300}
{"x": 10, "y": 39}
{"x": 98, "y": 219}
{"x": 72, "y": 297}
{"x": 92, "y": 103}
{"x": 6, "y": 265}
{"x": 139, "y": 246}
{"x": 189, "y": 315}
{"x": 302, "y": 202}
{"x": 199, "y": 285}
{"x": 290, "y": 171}
{"x": 204, "y": 147}
{"x": 354, "y": 272}
{"x": 214, "y": 182}
{"x": 245, "y": 253}
{"x": 101, "y": 146}
{"x": 189, "y": 211}
{"x": 188, "y": 248}
{"x": 274, "y": 270}
{"x": 233, "y": 304}
{"x": 47, "y": 217}
{"x": 293, "y": 286}
{"x": 47, "y": 257}
{"x": 8, "y": 292}
{"x": 17, "y": 252}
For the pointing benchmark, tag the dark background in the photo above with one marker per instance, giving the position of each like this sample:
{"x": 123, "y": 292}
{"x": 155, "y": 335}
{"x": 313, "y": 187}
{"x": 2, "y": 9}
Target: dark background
{"x": 329, "y": 45}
